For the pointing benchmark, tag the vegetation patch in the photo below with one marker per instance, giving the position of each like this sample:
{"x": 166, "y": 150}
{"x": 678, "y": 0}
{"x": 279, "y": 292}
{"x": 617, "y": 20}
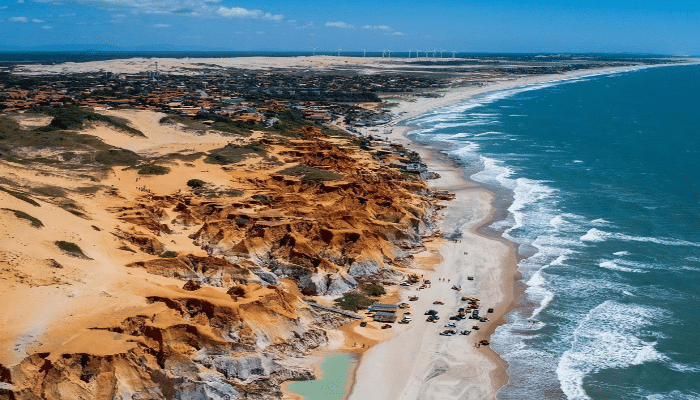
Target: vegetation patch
{"x": 71, "y": 249}
{"x": 310, "y": 174}
{"x": 196, "y": 183}
{"x": 354, "y": 302}
{"x": 371, "y": 289}
{"x": 153, "y": 169}
{"x": 114, "y": 157}
{"x": 168, "y": 254}
{"x": 232, "y": 153}
{"x": 49, "y": 191}
{"x": 72, "y": 117}
{"x": 20, "y": 196}
{"x": 23, "y": 215}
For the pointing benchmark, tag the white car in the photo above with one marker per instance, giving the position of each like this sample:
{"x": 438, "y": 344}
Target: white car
{"x": 451, "y": 325}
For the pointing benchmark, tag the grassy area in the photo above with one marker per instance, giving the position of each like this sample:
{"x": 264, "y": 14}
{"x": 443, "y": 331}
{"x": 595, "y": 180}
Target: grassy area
{"x": 20, "y": 196}
{"x": 353, "y": 302}
{"x": 370, "y": 289}
{"x": 74, "y": 147}
{"x": 152, "y": 169}
{"x": 196, "y": 183}
{"x": 72, "y": 117}
{"x": 23, "y": 215}
{"x": 71, "y": 248}
{"x": 310, "y": 174}
{"x": 232, "y": 153}
{"x": 168, "y": 254}
{"x": 218, "y": 123}
{"x": 115, "y": 157}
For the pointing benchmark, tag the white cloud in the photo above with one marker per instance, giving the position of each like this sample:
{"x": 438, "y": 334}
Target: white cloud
{"x": 339, "y": 24}
{"x": 194, "y": 8}
{"x": 20, "y": 1}
{"x": 397, "y": 33}
{"x": 378, "y": 27}
{"x": 46, "y": 27}
{"x": 161, "y": 25}
{"x": 37, "y": 21}
{"x": 3, "y": 8}
{"x": 240, "y": 12}
{"x": 19, "y": 19}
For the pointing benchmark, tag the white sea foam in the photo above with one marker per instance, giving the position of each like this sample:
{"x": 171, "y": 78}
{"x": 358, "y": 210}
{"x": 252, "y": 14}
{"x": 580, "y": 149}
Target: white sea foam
{"x": 626, "y": 293}
{"x": 621, "y": 253}
{"x": 611, "y": 265}
{"x": 606, "y": 339}
{"x": 577, "y": 161}
{"x": 596, "y": 235}
{"x": 600, "y": 221}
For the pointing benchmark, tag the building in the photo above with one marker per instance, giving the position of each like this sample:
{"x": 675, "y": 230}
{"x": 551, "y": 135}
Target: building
{"x": 385, "y": 316}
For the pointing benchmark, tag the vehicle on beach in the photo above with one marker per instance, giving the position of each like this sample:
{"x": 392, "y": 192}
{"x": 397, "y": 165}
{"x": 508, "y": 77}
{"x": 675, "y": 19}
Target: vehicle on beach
{"x": 404, "y": 305}
{"x": 386, "y": 326}
{"x": 413, "y": 298}
{"x": 490, "y": 310}
{"x": 482, "y": 319}
{"x": 407, "y": 313}
{"x": 476, "y": 327}
{"x": 431, "y": 312}
{"x": 427, "y": 281}
{"x": 432, "y": 318}
{"x": 363, "y": 324}
{"x": 484, "y": 342}
{"x": 456, "y": 287}
{"x": 438, "y": 302}
{"x": 422, "y": 287}
{"x": 405, "y": 284}
{"x": 448, "y": 332}
{"x": 465, "y": 332}
{"x": 470, "y": 278}
{"x": 450, "y": 325}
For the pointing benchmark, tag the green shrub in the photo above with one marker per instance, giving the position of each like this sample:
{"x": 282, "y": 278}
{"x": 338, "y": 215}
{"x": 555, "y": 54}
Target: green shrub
{"x": 310, "y": 174}
{"x": 372, "y": 289}
{"x": 196, "y": 183}
{"x": 152, "y": 169}
{"x": 232, "y": 153}
{"x": 117, "y": 157}
{"x": 23, "y": 215}
{"x": 241, "y": 221}
{"x": 354, "y": 302}
{"x": 168, "y": 254}
{"x": 71, "y": 248}
{"x": 20, "y": 196}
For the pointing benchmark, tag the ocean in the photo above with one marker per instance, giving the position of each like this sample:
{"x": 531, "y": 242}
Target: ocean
{"x": 598, "y": 180}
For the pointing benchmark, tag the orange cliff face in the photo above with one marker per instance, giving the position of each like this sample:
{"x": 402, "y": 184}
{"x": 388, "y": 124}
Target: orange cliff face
{"x": 189, "y": 284}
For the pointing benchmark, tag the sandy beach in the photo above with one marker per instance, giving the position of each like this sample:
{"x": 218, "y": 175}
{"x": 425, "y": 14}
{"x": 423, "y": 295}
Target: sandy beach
{"x": 418, "y": 363}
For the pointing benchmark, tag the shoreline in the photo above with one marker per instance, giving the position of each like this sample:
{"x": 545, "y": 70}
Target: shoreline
{"x": 510, "y": 287}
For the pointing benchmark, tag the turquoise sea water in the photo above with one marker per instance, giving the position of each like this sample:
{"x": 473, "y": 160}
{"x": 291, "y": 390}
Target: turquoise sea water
{"x": 333, "y": 385}
{"x": 601, "y": 180}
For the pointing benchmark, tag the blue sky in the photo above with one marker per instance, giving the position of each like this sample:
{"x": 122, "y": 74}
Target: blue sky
{"x": 665, "y": 27}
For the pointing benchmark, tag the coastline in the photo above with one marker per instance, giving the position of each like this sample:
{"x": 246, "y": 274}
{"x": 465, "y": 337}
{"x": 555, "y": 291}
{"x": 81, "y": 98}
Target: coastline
{"x": 375, "y": 366}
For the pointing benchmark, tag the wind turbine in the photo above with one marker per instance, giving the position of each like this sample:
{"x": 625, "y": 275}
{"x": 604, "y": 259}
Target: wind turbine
{"x": 426, "y": 53}
{"x": 389, "y": 53}
{"x": 409, "y": 52}
{"x": 441, "y": 51}
{"x": 433, "y": 53}
{"x": 364, "y": 52}
{"x": 339, "y": 51}
{"x": 384, "y": 53}
{"x": 314, "y": 51}
{"x": 453, "y": 54}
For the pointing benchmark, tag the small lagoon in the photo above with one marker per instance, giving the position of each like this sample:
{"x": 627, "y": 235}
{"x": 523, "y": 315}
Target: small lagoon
{"x": 334, "y": 382}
